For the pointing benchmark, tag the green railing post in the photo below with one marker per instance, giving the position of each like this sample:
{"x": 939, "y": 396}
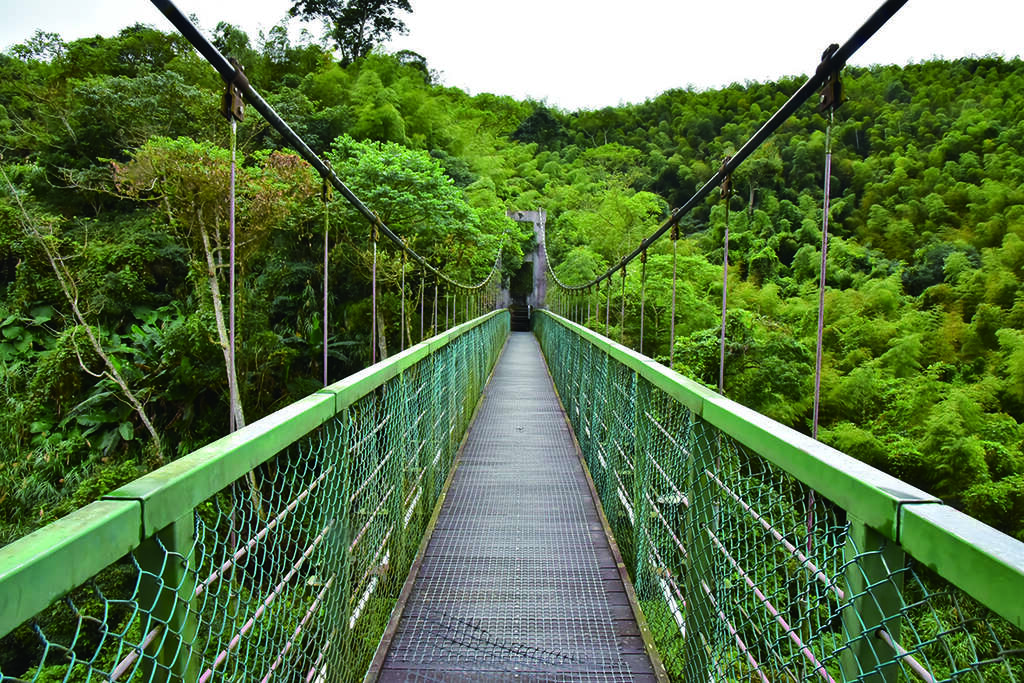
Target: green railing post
{"x": 452, "y": 403}
{"x": 598, "y": 431}
{"x": 874, "y": 581}
{"x": 585, "y": 432}
{"x": 438, "y": 406}
{"x": 343, "y": 560}
{"x": 699, "y": 520}
{"x": 431, "y": 481}
{"x": 642, "y": 579}
{"x": 404, "y": 473}
{"x": 166, "y": 586}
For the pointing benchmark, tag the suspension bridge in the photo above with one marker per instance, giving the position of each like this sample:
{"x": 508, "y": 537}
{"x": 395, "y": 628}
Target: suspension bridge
{"x": 491, "y": 504}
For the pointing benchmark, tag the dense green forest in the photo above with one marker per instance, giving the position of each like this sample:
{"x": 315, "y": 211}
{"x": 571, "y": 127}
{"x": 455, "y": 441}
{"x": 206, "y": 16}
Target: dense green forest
{"x": 113, "y": 224}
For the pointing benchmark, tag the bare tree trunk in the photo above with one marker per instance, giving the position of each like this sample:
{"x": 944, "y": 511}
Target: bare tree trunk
{"x": 382, "y": 341}
{"x": 408, "y": 326}
{"x": 67, "y": 286}
{"x": 234, "y": 399}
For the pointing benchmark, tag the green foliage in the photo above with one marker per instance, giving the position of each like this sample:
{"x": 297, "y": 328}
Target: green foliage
{"x": 923, "y": 355}
{"x": 356, "y": 25}
{"x": 998, "y": 503}
{"x": 923, "y": 363}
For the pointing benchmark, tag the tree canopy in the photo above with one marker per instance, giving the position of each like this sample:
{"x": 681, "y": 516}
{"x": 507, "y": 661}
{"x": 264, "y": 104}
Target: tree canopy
{"x": 114, "y": 149}
{"x": 356, "y": 26}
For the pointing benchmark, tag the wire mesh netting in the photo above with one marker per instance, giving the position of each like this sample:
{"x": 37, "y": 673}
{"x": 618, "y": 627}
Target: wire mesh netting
{"x": 291, "y": 572}
{"x": 743, "y": 572}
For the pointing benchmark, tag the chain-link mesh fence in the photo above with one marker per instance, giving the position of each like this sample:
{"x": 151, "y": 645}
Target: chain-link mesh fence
{"x": 743, "y": 571}
{"x": 290, "y": 572}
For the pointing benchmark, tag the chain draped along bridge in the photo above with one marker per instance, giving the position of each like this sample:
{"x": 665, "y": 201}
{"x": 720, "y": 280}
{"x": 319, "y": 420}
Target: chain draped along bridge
{"x": 493, "y": 504}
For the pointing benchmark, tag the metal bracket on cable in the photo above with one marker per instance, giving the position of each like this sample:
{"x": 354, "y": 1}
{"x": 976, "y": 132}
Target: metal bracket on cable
{"x": 675, "y": 232}
{"x": 727, "y": 180}
{"x": 831, "y": 93}
{"x": 326, "y": 190}
{"x": 232, "y": 105}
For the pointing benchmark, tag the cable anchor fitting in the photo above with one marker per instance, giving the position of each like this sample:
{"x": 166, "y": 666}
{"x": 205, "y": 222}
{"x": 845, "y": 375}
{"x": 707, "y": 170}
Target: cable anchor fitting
{"x": 831, "y": 93}
{"x": 326, "y": 189}
{"x": 232, "y": 105}
{"x": 726, "y": 186}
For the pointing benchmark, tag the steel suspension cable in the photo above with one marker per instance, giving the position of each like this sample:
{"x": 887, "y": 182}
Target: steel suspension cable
{"x": 607, "y": 309}
{"x": 821, "y": 275}
{"x": 373, "y": 307}
{"x": 643, "y": 297}
{"x": 810, "y": 501}
{"x": 232, "y": 74}
{"x": 727, "y": 193}
{"x": 622, "y": 309}
{"x": 835, "y": 58}
{"x": 234, "y": 418}
{"x": 672, "y": 320}
{"x": 401, "y": 326}
{"x": 326, "y": 197}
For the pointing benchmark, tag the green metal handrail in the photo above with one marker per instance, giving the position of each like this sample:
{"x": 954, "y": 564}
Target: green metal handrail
{"x": 315, "y": 469}
{"x": 873, "y": 579}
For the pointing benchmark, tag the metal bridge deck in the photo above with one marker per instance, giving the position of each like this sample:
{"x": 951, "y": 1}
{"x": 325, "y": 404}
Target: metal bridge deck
{"x": 518, "y": 581}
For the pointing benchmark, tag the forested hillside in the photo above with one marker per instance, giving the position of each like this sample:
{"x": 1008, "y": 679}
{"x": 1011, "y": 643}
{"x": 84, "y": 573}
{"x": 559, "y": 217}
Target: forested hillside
{"x": 113, "y": 215}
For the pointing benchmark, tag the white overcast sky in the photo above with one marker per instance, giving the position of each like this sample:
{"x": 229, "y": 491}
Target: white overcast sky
{"x": 585, "y": 54}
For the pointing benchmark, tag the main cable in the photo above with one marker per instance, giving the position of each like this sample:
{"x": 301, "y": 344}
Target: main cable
{"x": 833, "y": 60}
{"x": 233, "y": 74}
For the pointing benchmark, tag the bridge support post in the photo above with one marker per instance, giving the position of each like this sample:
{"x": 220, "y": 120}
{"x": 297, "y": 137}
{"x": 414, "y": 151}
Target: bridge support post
{"x": 598, "y": 437}
{"x": 699, "y": 638}
{"x": 403, "y": 473}
{"x": 874, "y": 583}
{"x": 643, "y": 577}
{"x": 166, "y": 586}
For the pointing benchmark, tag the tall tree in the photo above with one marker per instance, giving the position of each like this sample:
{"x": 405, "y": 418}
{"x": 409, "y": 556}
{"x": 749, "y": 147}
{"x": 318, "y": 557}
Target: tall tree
{"x": 357, "y": 26}
{"x": 190, "y": 181}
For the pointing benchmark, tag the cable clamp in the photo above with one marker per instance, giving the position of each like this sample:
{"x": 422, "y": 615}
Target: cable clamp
{"x": 326, "y": 190}
{"x": 727, "y": 181}
{"x": 232, "y": 105}
{"x": 831, "y": 93}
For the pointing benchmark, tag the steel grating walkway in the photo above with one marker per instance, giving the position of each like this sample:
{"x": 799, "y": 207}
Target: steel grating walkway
{"x": 518, "y": 581}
